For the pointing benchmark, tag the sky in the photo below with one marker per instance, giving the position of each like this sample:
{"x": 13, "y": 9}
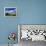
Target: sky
{"x": 10, "y": 10}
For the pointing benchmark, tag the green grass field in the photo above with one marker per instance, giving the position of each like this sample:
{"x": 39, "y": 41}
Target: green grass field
{"x": 7, "y": 14}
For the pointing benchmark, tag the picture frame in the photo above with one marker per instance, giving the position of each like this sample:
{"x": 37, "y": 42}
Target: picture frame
{"x": 10, "y": 11}
{"x": 36, "y": 32}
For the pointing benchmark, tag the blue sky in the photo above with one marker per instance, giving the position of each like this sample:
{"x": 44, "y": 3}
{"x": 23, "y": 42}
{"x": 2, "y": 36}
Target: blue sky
{"x": 10, "y": 10}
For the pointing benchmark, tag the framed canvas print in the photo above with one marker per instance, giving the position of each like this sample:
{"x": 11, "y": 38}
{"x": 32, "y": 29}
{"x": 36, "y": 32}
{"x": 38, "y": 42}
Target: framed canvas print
{"x": 10, "y": 11}
{"x": 32, "y": 32}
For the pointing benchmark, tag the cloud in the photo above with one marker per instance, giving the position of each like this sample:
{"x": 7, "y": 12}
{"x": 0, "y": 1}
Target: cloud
{"x": 11, "y": 11}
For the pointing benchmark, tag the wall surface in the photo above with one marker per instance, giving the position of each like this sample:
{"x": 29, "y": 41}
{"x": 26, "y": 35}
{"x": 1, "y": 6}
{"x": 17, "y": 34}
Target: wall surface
{"x": 28, "y": 12}
{"x": 7, "y": 23}
{"x": 33, "y": 11}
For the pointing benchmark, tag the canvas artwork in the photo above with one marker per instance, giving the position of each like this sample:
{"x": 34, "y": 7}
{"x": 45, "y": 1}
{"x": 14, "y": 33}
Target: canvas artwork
{"x": 12, "y": 38}
{"x": 10, "y": 11}
{"x": 33, "y": 32}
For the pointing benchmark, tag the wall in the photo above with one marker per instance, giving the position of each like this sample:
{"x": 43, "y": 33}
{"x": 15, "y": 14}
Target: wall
{"x": 28, "y": 12}
{"x": 7, "y": 24}
{"x": 33, "y": 11}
